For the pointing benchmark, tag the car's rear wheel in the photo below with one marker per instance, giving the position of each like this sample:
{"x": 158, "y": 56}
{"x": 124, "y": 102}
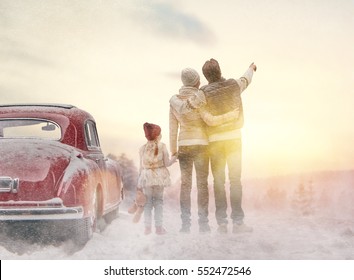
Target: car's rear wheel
{"x": 83, "y": 231}
{"x": 84, "y": 228}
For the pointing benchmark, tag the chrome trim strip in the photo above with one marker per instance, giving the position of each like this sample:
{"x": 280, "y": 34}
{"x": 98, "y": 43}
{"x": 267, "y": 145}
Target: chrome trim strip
{"x": 43, "y": 213}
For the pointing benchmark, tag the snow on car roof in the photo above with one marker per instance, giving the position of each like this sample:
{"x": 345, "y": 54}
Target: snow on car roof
{"x": 64, "y": 106}
{"x": 71, "y": 119}
{"x": 46, "y": 108}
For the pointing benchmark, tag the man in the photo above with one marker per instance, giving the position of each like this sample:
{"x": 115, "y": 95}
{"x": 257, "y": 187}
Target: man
{"x": 225, "y": 147}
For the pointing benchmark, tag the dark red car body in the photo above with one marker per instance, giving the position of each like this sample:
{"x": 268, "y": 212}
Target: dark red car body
{"x": 63, "y": 179}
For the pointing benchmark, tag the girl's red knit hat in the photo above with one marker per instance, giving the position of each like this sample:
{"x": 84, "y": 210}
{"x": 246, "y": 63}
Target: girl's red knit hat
{"x": 152, "y": 131}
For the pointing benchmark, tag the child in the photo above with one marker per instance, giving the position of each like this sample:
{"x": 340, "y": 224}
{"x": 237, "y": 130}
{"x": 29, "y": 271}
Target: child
{"x": 154, "y": 176}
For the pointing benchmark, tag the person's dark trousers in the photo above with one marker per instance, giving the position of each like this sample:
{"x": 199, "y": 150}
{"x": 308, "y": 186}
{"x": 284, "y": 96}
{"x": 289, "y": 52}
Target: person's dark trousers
{"x": 221, "y": 153}
{"x": 198, "y": 156}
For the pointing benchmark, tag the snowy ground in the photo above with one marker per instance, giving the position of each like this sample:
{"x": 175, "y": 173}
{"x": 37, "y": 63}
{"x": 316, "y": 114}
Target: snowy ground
{"x": 280, "y": 233}
{"x": 274, "y": 237}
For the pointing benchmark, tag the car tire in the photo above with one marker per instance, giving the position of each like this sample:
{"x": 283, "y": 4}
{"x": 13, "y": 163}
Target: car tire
{"x": 109, "y": 217}
{"x": 84, "y": 228}
{"x": 82, "y": 231}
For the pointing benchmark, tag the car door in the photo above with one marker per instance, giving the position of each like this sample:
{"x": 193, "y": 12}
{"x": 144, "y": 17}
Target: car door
{"x": 109, "y": 176}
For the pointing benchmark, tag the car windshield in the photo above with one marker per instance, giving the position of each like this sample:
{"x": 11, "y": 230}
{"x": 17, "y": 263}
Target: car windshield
{"x": 29, "y": 128}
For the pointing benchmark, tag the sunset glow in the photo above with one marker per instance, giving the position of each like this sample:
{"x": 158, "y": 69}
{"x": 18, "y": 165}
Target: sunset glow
{"x": 121, "y": 61}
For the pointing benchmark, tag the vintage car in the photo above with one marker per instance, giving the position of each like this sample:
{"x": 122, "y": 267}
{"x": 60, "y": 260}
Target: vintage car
{"x": 52, "y": 170}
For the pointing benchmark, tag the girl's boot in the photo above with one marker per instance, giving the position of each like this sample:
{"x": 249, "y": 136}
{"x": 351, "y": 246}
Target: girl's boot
{"x": 147, "y": 230}
{"x": 160, "y": 230}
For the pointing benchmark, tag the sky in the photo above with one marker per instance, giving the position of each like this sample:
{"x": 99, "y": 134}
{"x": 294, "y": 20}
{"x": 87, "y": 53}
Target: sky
{"x": 121, "y": 61}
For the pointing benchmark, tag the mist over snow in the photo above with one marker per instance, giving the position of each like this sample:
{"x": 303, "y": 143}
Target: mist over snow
{"x": 301, "y": 217}
{"x": 128, "y": 55}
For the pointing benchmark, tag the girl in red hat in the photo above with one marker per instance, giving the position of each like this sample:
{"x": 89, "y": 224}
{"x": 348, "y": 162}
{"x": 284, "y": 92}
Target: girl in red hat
{"x": 154, "y": 176}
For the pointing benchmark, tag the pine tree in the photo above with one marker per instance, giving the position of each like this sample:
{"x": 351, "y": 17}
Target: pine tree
{"x": 275, "y": 197}
{"x": 303, "y": 199}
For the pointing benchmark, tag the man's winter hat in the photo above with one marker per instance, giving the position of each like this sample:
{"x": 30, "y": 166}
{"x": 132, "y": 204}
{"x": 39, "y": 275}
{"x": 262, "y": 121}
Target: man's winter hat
{"x": 152, "y": 131}
{"x": 189, "y": 77}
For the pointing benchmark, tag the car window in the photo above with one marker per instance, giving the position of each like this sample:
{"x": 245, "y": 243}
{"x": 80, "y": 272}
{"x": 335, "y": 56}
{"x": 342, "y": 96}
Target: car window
{"x": 29, "y": 128}
{"x": 91, "y": 135}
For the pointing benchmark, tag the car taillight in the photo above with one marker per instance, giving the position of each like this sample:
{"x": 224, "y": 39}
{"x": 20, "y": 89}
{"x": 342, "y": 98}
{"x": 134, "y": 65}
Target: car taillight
{"x": 8, "y": 184}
